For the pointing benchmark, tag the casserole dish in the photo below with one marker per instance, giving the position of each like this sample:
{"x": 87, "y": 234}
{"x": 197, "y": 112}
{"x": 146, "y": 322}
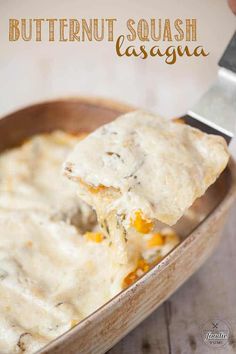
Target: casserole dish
{"x": 200, "y": 228}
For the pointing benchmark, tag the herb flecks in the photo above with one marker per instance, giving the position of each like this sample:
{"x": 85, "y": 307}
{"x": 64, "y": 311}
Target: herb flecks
{"x": 118, "y": 156}
{"x": 105, "y": 226}
{"x": 119, "y": 224}
{"x": 3, "y": 274}
{"x": 111, "y": 153}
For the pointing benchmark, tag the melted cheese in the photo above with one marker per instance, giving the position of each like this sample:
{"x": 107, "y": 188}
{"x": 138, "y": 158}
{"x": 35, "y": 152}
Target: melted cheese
{"x": 158, "y": 167}
{"x": 49, "y": 277}
{"x": 31, "y": 179}
{"x": 145, "y": 168}
{"x": 52, "y": 272}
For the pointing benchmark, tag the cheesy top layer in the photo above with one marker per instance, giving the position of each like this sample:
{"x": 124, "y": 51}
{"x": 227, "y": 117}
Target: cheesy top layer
{"x": 56, "y": 266}
{"x": 31, "y": 179}
{"x": 49, "y": 279}
{"x": 156, "y": 166}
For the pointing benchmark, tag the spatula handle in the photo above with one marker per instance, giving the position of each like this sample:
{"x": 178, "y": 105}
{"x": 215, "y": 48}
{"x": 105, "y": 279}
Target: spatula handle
{"x": 228, "y": 59}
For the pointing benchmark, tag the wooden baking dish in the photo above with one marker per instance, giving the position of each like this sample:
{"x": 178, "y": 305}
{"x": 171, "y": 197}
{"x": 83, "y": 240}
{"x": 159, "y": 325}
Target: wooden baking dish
{"x": 200, "y": 229}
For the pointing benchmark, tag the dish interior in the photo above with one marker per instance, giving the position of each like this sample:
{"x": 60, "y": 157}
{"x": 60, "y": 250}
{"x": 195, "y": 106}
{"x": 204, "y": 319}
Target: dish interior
{"x": 81, "y": 116}
{"x": 75, "y": 116}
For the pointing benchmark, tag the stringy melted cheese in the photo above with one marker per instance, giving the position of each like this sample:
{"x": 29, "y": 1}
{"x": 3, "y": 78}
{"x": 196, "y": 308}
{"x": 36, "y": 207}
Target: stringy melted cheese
{"x": 143, "y": 167}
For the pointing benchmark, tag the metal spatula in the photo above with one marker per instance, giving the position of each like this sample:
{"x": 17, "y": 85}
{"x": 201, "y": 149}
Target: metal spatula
{"x": 215, "y": 112}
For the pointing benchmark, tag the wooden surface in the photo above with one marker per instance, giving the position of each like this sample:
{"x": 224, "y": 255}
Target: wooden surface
{"x": 175, "y": 328}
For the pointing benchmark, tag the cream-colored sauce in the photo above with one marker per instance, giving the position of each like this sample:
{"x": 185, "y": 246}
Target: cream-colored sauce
{"x": 159, "y": 167}
{"x": 49, "y": 273}
{"x": 141, "y": 162}
{"x": 51, "y": 276}
{"x": 31, "y": 179}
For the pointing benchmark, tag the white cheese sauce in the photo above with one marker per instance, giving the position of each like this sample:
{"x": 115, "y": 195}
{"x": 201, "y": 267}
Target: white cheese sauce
{"x": 159, "y": 167}
{"x": 30, "y": 178}
{"x": 51, "y": 275}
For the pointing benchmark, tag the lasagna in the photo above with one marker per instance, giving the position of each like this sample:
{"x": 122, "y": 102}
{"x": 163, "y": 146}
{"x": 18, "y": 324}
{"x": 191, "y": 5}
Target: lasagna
{"x": 140, "y": 170}
{"x": 56, "y": 263}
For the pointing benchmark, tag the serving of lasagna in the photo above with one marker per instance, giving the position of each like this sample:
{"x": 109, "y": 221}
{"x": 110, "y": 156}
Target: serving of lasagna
{"x": 140, "y": 170}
